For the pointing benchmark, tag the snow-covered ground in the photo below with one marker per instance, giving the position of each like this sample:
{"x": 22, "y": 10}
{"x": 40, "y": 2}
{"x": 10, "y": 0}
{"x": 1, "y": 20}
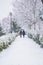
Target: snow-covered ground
{"x": 23, "y": 51}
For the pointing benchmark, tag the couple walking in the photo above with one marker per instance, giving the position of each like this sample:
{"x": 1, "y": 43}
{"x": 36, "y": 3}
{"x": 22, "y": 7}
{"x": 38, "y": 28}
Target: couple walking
{"x": 22, "y": 33}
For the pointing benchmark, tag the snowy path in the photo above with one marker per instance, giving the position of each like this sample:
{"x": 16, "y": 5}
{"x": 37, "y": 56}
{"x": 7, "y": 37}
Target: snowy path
{"x": 23, "y": 51}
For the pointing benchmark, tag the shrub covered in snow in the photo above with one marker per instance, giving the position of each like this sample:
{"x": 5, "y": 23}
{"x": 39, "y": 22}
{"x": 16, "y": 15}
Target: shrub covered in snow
{"x": 29, "y": 35}
{"x": 41, "y": 40}
{"x": 6, "y": 40}
{"x": 35, "y": 37}
{"x": 1, "y": 30}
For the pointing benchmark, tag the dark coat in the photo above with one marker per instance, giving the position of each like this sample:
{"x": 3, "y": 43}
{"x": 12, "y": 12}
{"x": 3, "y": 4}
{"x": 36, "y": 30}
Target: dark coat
{"x": 20, "y": 32}
{"x": 23, "y": 32}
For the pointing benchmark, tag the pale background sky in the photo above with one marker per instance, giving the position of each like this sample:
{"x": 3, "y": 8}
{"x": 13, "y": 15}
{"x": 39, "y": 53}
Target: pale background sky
{"x": 5, "y": 8}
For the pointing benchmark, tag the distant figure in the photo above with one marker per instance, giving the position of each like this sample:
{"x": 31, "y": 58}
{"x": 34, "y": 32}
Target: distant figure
{"x": 23, "y": 33}
{"x": 20, "y": 33}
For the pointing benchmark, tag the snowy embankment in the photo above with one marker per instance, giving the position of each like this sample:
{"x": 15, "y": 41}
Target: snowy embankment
{"x": 23, "y": 51}
{"x": 6, "y": 40}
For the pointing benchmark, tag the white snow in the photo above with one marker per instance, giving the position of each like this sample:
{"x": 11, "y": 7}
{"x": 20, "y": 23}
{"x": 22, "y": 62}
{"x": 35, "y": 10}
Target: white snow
{"x": 23, "y": 51}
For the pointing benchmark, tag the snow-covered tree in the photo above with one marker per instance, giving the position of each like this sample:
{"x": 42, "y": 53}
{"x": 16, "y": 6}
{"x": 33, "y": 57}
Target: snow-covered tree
{"x": 26, "y": 12}
{"x": 1, "y": 30}
{"x": 22, "y": 10}
{"x": 11, "y": 22}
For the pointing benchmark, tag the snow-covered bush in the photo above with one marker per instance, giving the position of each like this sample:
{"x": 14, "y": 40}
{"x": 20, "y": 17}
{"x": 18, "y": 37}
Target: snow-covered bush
{"x": 1, "y": 30}
{"x": 41, "y": 40}
{"x": 35, "y": 37}
{"x": 1, "y": 48}
{"x": 29, "y": 35}
{"x": 5, "y": 45}
{"x": 6, "y": 40}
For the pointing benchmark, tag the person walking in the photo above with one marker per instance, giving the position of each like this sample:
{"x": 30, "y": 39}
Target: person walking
{"x": 23, "y": 33}
{"x": 20, "y": 33}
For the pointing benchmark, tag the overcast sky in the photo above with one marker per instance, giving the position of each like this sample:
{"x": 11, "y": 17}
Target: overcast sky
{"x": 5, "y": 8}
